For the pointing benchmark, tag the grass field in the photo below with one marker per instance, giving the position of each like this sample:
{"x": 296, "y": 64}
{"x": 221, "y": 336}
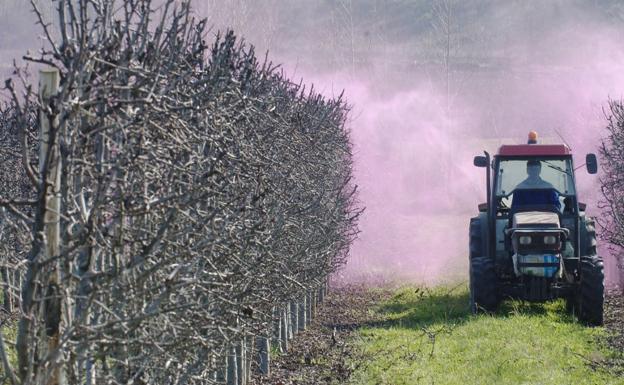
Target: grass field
{"x": 427, "y": 336}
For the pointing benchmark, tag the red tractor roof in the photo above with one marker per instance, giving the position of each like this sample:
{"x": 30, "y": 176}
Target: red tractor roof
{"x": 534, "y": 150}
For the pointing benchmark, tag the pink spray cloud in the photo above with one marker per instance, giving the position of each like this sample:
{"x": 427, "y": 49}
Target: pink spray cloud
{"x": 545, "y": 66}
{"x": 413, "y": 157}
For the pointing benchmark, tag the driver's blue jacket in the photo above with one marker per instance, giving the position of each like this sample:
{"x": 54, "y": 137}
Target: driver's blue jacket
{"x": 535, "y": 199}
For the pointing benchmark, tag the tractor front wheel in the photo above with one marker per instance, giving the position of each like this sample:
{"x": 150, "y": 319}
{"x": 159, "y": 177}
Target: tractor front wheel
{"x": 484, "y": 293}
{"x": 590, "y": 297}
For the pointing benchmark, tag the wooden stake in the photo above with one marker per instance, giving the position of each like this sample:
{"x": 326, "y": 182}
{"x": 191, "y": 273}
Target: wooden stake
{"x": 50, "y": 171}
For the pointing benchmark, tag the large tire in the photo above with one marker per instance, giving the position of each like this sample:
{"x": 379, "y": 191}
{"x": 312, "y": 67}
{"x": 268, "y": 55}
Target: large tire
{"x": 476, "y": 239}
{"x": 590, "y": 297}
{"x": 588, "y": 238}
{"x": 484, "y": 293}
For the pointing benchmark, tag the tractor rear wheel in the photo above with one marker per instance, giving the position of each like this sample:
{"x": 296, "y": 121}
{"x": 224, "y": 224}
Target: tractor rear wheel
{"x": 476, "y": 239}
{"x": 590, "y": 297}
{"x": 484, "y": 295}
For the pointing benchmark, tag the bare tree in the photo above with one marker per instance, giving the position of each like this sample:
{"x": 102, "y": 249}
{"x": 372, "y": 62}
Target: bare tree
{"x": 612, "y": 183}
{"x": 444, "y": 30}
{"x": 199, "y": 190}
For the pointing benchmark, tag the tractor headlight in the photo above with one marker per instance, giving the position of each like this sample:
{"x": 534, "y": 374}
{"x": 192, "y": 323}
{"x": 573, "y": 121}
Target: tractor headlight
{"x": 525, "y": 240}
{"x": 550, "y": 240}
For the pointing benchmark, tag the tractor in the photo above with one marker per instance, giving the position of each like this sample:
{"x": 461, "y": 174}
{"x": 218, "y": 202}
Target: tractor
{"x": 532, "y": 239}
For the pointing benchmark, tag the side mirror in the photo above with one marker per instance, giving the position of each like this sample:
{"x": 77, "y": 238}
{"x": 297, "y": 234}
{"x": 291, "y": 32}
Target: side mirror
{"x": 480, "y": 161}
{"x": 592, "y": 163}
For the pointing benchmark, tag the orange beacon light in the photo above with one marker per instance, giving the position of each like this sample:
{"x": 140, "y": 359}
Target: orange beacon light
{"x": 532, "y": 137}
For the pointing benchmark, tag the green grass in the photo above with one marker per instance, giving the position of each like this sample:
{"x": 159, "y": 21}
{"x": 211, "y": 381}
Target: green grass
{"x": 9, "y": 331}
{"x": 427, "y": 336}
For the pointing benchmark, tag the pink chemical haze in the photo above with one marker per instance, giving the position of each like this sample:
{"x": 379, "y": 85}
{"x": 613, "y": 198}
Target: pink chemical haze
{"x": 413, "y": 157}
{"x": 512, "y": 67}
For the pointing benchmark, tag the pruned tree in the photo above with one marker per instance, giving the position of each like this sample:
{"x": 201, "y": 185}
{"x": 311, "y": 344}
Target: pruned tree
{"x": 612, "y": 183}
{"x": 198, "y": 190}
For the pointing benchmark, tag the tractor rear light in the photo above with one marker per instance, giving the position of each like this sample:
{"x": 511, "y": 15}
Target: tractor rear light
{"x": 525, "y": 240}
{"x": 550, "y": 240}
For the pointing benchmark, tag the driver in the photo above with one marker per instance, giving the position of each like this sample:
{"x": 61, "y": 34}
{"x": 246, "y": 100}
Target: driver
{"x": 533, "y": 180}
{"x": 534, "y": 191}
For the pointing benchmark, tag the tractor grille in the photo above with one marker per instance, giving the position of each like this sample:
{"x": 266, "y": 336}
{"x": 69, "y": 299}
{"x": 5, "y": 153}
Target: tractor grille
{"x": 537, "y": 289}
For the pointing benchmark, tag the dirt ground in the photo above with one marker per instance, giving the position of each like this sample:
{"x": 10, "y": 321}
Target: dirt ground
{"x": 614, "y": 322}
{"x": 324, "y": 353}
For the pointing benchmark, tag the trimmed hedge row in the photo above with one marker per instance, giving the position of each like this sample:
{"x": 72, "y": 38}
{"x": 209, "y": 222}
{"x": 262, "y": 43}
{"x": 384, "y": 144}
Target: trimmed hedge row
{"x": 202, "y": 194}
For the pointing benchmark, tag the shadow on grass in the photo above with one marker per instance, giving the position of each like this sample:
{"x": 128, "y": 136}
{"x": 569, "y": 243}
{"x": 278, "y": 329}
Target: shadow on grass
{"x": 554, "y": 309}
{"x": 419, "y": 308}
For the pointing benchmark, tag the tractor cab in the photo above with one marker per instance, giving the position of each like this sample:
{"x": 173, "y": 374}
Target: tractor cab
{"x": 532, "y": 239}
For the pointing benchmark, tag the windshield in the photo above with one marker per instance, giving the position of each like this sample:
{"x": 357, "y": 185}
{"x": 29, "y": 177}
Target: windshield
{"x": 535, "y": 174}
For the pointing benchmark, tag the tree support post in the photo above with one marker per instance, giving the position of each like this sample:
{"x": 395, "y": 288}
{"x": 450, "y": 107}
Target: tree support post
{"x": 50, "y": 171}
{"x": 264, "y": 357}
{"x": 302, "y": 313}
{"x": 294, "y": 311}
